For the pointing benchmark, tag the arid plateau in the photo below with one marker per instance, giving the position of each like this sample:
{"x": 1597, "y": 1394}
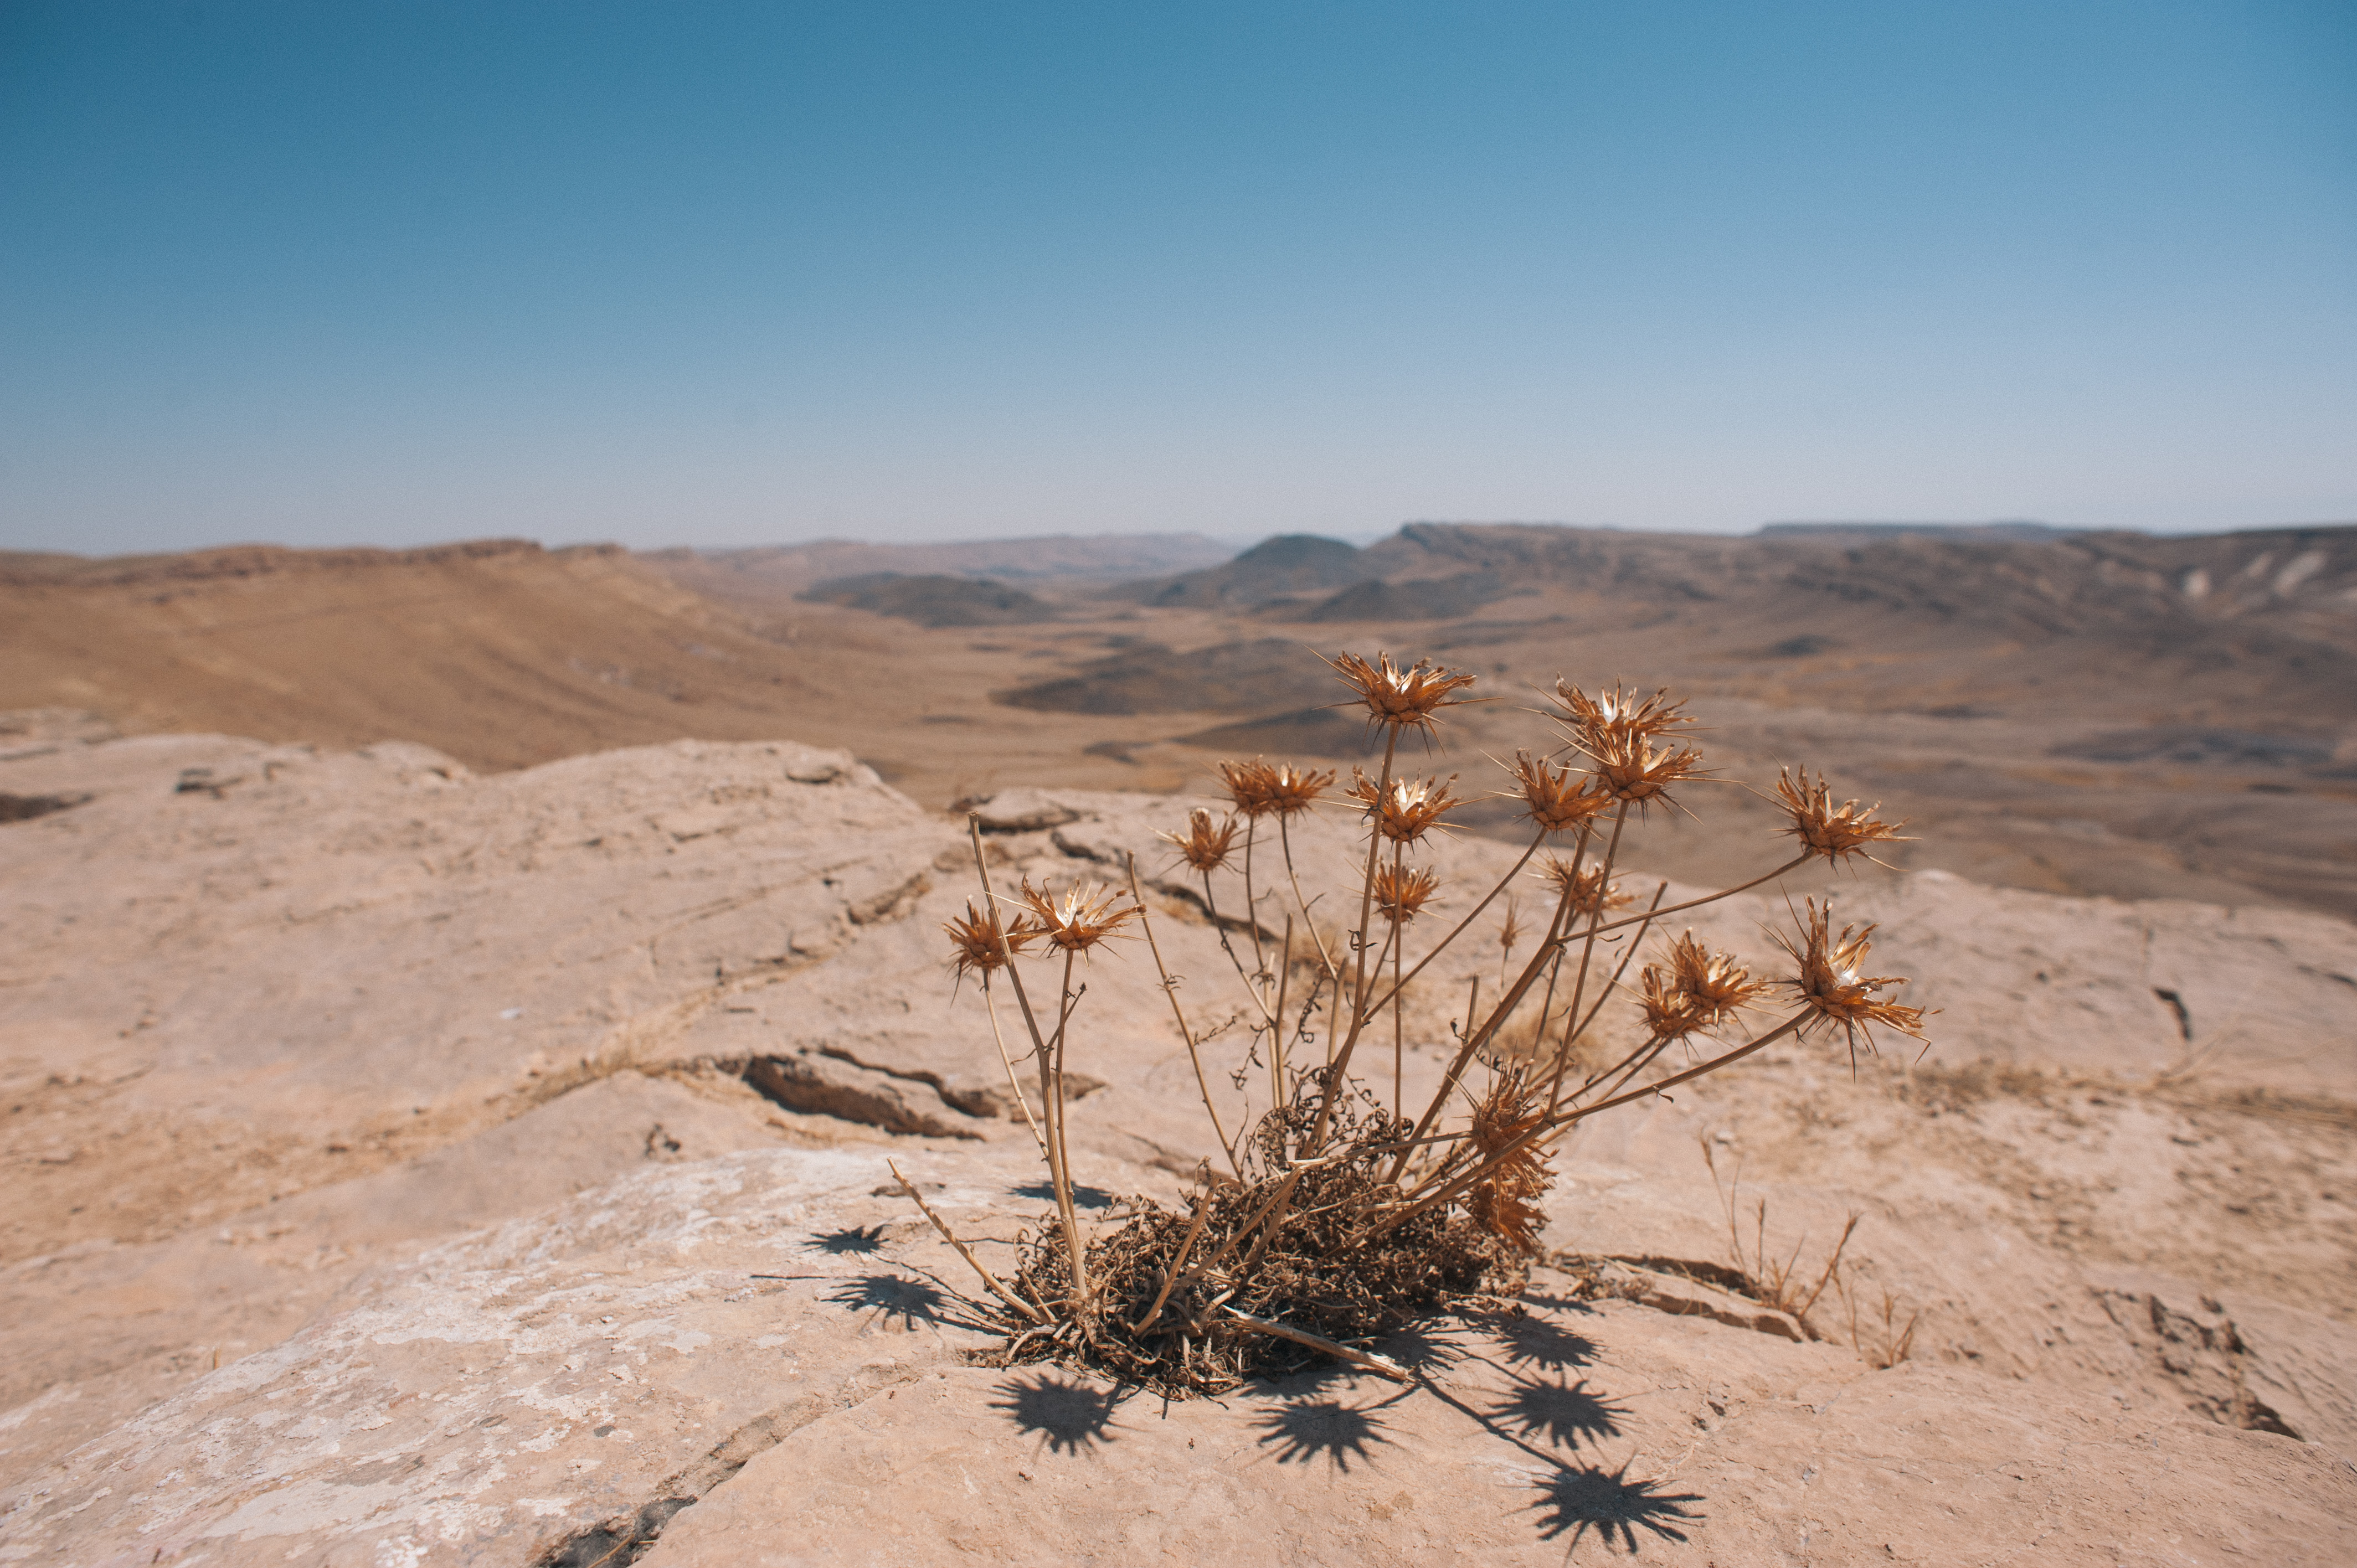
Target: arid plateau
{"x": 460, "y": 1011}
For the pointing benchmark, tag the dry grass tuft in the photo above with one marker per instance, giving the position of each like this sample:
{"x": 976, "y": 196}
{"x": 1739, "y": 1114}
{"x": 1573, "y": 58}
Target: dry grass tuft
{"x": 1784, "y": 1283}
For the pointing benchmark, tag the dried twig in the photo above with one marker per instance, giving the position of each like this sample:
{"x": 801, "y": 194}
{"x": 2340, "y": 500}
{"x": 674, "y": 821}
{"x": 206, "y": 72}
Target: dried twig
{"x": 989, "y": 1279}
{"x": 1379, "y": 1365}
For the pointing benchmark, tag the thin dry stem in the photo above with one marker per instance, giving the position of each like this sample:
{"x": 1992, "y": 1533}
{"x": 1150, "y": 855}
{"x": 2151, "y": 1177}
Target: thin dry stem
{"x": 1381, "y": 1365}
{"x": 989, "y": 1279}
{"x": 1170, "y": 989}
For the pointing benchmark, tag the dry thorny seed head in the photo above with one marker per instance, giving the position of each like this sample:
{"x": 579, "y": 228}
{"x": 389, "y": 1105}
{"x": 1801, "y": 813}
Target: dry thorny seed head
{"x": 1670, "y": 1013}
{"x": 1589, "y": 898}
{"x": 1831, "y": 984}
{"x": 1292, "y": 791}
{"x": 1203, "y": 846}
{"x": 980, "y": 943}
{"x": 1401, "y": 891}
{"x": 1617, "y": 715}
{"x": 1697, "y": 989}
{"x": 1408, "y": 809}
{"x": 1634, "y": 770}
{"x": 1510, "y": 931}
{"x": 1403, "y": 699}
{"x": 1261, "y": 789}
{"x": 1085, "y": 915}
{"x": 1505, "y": 1202}
{"x": 1834, "y": 833}
{"x": 1616, "y": 731}
{"x": 1551, "y": 797}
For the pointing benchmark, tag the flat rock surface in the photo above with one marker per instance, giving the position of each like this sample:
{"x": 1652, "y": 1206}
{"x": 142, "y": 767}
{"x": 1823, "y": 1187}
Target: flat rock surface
{"x": 420, "y": 1134}
{"x": 1612, "y": 1429}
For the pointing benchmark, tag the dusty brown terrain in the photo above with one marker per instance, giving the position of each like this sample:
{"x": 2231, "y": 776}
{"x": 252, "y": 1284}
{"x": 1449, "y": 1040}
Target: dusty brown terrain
{"x": 485, "y": 1168}
{"x": 2114, "y": 714}
{"x": 428, "y": 1152}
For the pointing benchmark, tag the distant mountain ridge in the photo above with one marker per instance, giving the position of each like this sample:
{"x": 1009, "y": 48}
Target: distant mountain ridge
{"x": 2299, "y": 580}
{"x": 765, "y": 570}
{"x": 931, "y": 599}
{"x": 2011, "y": 528}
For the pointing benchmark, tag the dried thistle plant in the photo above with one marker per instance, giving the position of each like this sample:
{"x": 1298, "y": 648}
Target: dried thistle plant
{"x": 1400, "y": 699}
{"x": 1832, "y": 990}
{"x": 1584, "y": 889}
{"x": 1403, "y": 809}
{"x": 1202, "y": 846}
{"x": 1401, "y": 894}
{"x": 1339, "y": 1215}
{"x": 1835, "y": 832}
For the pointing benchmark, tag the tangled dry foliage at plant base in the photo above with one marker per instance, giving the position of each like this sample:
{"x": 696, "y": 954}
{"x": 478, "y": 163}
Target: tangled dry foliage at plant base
{"x": 1337, "y": 1219}
{"x": 1308, "y": 1276}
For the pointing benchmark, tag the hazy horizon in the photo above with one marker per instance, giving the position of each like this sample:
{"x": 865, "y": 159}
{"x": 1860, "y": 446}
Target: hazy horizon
{"x": 741, "y": 275}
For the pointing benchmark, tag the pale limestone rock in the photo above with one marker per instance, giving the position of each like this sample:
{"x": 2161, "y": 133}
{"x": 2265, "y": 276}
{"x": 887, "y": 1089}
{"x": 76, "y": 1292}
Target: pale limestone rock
{"x": 295, "y": 1029}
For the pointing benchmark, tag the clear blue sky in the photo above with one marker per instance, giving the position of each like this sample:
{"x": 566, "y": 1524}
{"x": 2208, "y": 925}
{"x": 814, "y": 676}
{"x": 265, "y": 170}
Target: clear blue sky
{"x": 712, "y": 273}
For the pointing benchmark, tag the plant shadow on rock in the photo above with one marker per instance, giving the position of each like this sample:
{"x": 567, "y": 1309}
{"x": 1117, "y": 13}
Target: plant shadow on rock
{"x": 1083, "y": 1194}
{"x": 1541, "y": 1343}
{"x": 1422, "y": 1347}
{"x": 1578, "y": 1500}
{"x": 1573, "y": 1499}
{"x": 888, "y": 1295}
{"x": 1558, "y": 1412}
{"x": 852, "y": 1241}
{"x": 1069, "y": 1417}
{"x": 1300, "y": 1430}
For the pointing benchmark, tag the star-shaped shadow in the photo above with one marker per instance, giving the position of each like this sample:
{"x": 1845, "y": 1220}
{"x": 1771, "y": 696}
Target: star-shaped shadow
{"x": 890, "y": 1296}
{"x": 1069, "y": 1416}
{"x": 1301, "y": 1430}
{"x": 1605, "y": 1501}
{"x": 1557, "y": 1413}
{"x": 852, "y": 1241}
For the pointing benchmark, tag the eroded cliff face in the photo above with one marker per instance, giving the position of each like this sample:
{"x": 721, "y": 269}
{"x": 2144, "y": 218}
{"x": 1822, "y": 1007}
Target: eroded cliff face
{"x": 413, "y": 1167}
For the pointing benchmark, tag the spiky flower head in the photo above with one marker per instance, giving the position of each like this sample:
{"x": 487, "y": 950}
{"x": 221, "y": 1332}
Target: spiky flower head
{"x": 1637, "y": 771}
{"x": 1696, "y": 989}
{"x": 1616, "y": 731}
{"x": 1263, "y": 788}
{"x": 1551, "y": 799}
{"x": 1403, "y": 699}
{"x": 1715, "y": 980}
{"x": 1617, "y": 715}
{"x": 1293, "y": 790}
{"x": 1250, "y": 787}
{"x": 1409, "y": 809}
{"x": 1836, "y": 832}
{"x": 1203, "y": 846}
{"x": 1670, "y": 1013}
{"x": 1832, "y": 984}
{"x": 1505, "y": 1202}
{"x": 1085, "y": 915}
{"x": 1510, "y": 929}
{"x": 1401, "y": 892}
{"x": 980, "y": 943}
{"x": 1280, "y": 789}
{"x": 1589, "y": 898}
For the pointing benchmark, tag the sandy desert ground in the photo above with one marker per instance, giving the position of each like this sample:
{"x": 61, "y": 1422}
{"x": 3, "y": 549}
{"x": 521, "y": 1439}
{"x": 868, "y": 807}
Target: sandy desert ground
{"x": 470, "y": 1146}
